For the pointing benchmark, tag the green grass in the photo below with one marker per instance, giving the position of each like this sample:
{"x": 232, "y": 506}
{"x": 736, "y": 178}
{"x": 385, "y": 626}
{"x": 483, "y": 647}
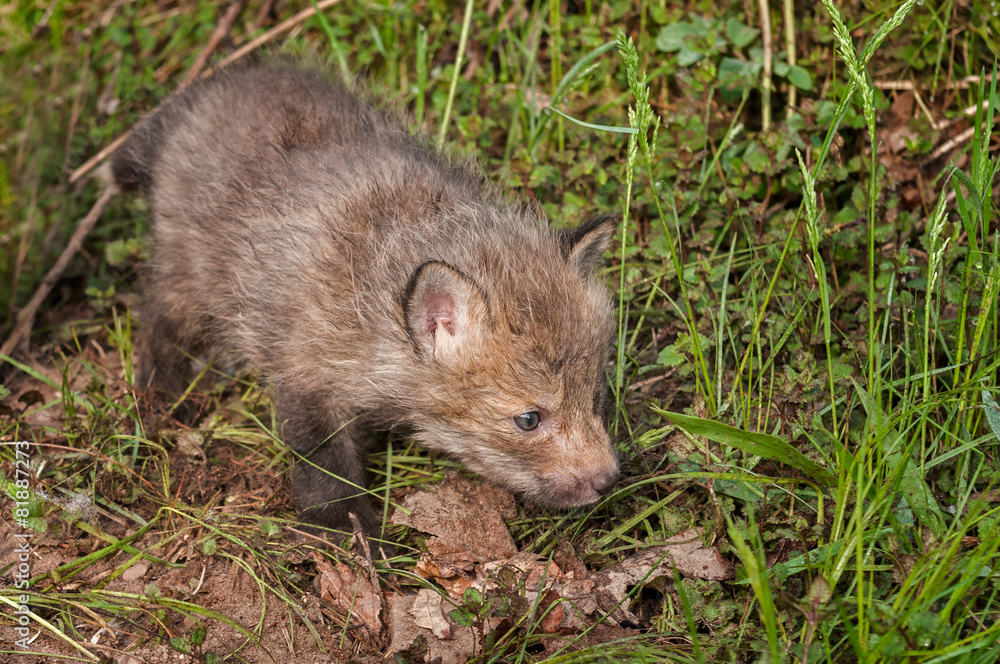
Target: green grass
{"x": 806, "y": 360}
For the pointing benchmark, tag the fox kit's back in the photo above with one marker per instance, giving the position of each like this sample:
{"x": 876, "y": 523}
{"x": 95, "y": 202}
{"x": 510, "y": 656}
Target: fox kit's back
{"x": 375, "y": 284}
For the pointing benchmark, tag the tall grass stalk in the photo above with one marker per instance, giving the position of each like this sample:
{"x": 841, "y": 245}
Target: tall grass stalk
{"x": 868, "y": 456}
{"x": 619, "y": 386}
{"x": 555, "y": 63}
{"x": 642, "y": 119}
{"x": 335, "y": 45}
{"x": 463, "y": 38}
{"x": 936, "y": 246}
{"x": 859, "y": 78}
{"x": 838, "y": 116}
{"x": 421, "y": 66}
{"x": 981, "y": 264}
{"x": 819, "y": 266}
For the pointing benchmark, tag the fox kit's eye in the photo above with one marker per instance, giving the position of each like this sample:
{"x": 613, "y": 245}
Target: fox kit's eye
{"x": 528, "y": 421}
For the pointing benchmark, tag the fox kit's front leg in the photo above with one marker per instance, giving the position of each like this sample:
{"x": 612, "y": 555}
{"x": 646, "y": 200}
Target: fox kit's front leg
{"x": 328, "y": 478}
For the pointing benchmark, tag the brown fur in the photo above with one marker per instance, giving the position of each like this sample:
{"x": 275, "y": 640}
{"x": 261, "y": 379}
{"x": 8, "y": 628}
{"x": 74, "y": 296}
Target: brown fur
{"x": 375, "y": 284}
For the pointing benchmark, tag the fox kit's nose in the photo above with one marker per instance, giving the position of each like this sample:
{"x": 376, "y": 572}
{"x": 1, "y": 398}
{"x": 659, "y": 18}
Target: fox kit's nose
{"x": 604, "y": 483}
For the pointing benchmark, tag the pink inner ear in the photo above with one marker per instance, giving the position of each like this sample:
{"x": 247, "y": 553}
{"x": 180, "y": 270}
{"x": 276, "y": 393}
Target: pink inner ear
{"x": 440, "y": 311}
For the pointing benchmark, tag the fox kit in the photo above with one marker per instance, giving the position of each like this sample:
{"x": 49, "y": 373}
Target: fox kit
{"x": 376, "y": 285}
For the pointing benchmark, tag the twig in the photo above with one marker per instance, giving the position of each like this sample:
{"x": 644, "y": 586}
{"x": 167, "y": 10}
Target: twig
{"x": 238, "y": 54}
{"x": 917, "y": 97}
{"x": 99, "y": 157}
{"x": 962, "y": 83}
{"x": 43, "y": 22}
{"x": 284, "y": 26}
{"x": 262, "y": 14}
{"x": 894, "y": 85}
{"x": 364, "y": 560}
{"x": 961, "y": 137}
{"x": 952, "y": 143}
{"x": 221, "y": 30}
{"x": 319, "y": 540}
{"x": 968, "y": 111}
{"x": 26, "y": 315}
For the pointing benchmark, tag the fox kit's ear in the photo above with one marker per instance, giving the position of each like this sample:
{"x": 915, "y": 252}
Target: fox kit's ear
{"x": 445, "y": 311}
{"x": 584, "y": 245}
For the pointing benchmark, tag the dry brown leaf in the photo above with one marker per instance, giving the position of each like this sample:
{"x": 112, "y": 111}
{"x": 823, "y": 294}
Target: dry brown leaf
{"x": 427, "y": 613}
{"x": 895, "y": 123}
{"x": 696, "y": 560}
{"x": 456, "y": 587}
{"x": 569, "y": 561}
{"x": 467, "y": 518}
{"x": 536, "y": 575}
{"x": 580, "y": 593}
{"x": 473, "y": 549}
{"x": 404, "y": 630}
{"x": 454, "y": 556}
{"x": 552, "y": 616}
{"x": 429, "y": 568}
{"x": 894, "y": 134}
{"x": 536, "y": 569}
{"x": 350, "y": 592}
{"x": 685, "y": 550}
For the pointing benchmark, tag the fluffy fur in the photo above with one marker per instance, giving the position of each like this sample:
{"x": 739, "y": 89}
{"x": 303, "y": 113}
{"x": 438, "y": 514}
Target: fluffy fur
{"x": 375, "y": 284}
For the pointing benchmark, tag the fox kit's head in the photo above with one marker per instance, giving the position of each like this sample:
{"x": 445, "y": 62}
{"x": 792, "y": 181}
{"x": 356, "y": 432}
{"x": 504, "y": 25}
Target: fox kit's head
{"x": 513, "y": 358}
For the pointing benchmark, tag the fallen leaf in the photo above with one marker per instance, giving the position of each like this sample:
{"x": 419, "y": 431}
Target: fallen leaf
{"x": 350, "y": 592}
{"x": 534, "y": 576}
{"x": 569, "y": 561}
{"x": 456, "y": 587}
{"x": 427, "y": 613}
{"x": 552, "y": 611}
{"x": 404, "y": 631}
{"x": 537, "y": 570}
{"x": 895, "y": 123}
{"x": 581, "y": 599}
{"x": 684, "y": 550}
{"x": 473, "y": 549}
{"x": 467, "y": 518}
{"x": 894, "y": 134}
{"x": 696, "y": 560}
{"x": 428, "y": 568}
{"x": 190, "y": 443}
